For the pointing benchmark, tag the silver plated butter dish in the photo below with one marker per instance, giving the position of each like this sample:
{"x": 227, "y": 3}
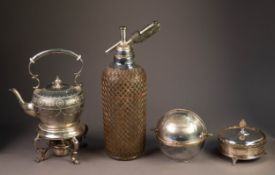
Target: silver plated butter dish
{"x": 241, "y": 142}
{"x": 181, "y": 134}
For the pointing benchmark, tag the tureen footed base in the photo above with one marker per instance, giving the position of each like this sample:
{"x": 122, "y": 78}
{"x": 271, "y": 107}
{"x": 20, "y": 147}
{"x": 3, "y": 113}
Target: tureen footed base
{"x": 238, "y": 153}
{"x": 60, "y": 146}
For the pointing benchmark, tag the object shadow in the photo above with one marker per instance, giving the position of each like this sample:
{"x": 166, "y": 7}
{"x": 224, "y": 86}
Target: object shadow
{"x": 151, "y": 146}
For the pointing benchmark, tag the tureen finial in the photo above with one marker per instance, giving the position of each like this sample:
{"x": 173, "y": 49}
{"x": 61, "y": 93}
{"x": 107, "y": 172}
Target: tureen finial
{"x": 242, "y": 123}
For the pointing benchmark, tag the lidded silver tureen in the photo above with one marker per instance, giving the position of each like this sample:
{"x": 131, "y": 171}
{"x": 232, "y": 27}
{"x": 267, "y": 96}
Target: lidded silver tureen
{"x": 241, "y": 142}
{"x": 58, "y": 107}
{"x": 181, "y": 134}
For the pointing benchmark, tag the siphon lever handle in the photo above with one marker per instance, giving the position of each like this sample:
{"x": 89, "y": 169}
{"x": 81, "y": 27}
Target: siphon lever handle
{"x": 146, "y": 32}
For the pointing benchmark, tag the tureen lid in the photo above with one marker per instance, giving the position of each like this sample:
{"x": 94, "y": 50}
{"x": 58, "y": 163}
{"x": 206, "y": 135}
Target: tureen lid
{"x": 242, "y": 135}
{"x": 57, "y": 89}
{"x": 179, "y": 127}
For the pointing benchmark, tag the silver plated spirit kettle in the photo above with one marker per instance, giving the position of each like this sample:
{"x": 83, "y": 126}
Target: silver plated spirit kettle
{"x": 58, "y": 107}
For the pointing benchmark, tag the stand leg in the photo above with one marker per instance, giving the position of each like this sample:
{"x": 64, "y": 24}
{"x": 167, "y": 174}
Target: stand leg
{"x": 75, "y": 150}
{"x": 234, "y": 161}
{"x": 40, "y": 152}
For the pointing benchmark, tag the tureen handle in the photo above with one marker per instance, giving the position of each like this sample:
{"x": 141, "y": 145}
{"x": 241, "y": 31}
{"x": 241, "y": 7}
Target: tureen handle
{"x": 50, "y": 52}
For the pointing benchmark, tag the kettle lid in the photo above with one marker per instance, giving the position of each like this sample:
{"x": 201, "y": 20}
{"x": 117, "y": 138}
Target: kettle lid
{"x": 57, "y": 89}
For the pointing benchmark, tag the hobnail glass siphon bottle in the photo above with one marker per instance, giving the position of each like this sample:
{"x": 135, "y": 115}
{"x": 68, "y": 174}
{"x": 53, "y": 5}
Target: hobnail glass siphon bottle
{"x": 124, "y": 91}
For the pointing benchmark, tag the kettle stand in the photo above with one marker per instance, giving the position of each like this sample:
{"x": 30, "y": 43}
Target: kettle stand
{"x": 60, "y": 145}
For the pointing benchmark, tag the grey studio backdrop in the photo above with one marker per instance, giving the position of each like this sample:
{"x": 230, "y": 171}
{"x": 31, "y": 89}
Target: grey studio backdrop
{"x": 215, "y": 58}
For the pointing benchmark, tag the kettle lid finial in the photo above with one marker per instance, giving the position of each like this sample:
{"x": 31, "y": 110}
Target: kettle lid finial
{"x": 57, "y": 83}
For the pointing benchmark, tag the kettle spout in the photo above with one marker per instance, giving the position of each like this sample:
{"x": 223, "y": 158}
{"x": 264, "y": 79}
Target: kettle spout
{"x": 27, "y": 107}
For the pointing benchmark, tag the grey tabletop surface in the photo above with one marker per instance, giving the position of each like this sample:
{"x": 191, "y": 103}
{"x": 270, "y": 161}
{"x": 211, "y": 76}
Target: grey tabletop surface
{"x": 18, "y": 158}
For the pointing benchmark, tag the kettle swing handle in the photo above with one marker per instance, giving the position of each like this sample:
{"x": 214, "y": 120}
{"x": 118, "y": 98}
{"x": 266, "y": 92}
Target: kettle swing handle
{"x": 50, "y": 52}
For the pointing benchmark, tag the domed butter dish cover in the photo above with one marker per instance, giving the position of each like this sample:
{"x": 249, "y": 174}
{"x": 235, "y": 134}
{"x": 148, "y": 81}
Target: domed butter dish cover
{"x": 241, "y": 142}
{"x": 181, "y": 134}
{"x": 58, "y": 107}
